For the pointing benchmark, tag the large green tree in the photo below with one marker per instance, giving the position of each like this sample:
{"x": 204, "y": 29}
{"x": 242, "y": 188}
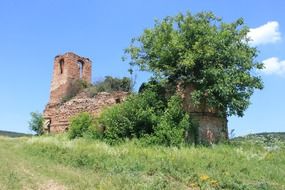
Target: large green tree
{"x": 202, "y": 50}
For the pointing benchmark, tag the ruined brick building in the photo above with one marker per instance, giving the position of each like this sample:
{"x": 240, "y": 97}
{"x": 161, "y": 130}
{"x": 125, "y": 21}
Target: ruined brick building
{"x": 67, "y": 69}
{"x": 70, "y": 67}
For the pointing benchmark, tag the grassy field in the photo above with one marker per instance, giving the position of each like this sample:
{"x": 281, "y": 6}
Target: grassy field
{"x": 55, "y": 163}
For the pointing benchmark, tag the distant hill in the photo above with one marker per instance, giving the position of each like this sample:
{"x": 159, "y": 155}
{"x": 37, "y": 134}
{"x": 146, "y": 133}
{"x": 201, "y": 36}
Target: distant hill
{"x": 13, "y": 134}
{"x": 280, "y": 135}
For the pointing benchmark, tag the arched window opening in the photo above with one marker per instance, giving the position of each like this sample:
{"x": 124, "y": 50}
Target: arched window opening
{"x": 61, "y": 64}
{"x": 80, "y": 67}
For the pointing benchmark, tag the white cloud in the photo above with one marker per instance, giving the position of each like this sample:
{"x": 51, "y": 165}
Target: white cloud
{"x": 274, "y": 66}
{"x": 265, "y": 34}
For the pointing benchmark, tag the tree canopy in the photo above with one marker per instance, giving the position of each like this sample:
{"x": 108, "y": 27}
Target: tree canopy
{"x": 202, "y": 50}
{"x": 111, "y": 84}
{"x": 36, "y": 123}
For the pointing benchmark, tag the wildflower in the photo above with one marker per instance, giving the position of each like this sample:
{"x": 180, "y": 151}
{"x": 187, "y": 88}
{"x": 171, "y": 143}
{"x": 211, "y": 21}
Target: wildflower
{"x": 204, "y": 177}
{"x": 214, "y": 183}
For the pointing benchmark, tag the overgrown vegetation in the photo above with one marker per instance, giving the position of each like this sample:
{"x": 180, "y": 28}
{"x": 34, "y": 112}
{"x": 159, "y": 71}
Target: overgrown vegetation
{"x": 246, "y": 164}
{"x": 80, "y": 125}
{"x": 109, "y": 84}
{"x": 146, "y": 116}
{"x": 36, "y": 123}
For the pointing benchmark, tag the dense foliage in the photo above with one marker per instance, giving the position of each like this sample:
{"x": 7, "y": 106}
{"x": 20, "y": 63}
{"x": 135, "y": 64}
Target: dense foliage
{"x": 80, "y": 125}
{"x": 36, "y": 123}
{"x": 148, "y": 117}
{"x": 111, "y": 84}
{"x": 173, "y": 124}
{"x": 133, "y": 118}
{"x": 202, "y": 50}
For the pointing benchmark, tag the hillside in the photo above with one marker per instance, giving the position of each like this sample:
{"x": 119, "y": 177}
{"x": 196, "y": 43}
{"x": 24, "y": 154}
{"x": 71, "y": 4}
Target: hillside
{"x": 55, "y": 163}
{"x": 276, "y": 135}
{"x": 13, "y": 134}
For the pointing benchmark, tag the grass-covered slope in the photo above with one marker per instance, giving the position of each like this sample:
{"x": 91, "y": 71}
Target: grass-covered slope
{"x": 58, "y": 163}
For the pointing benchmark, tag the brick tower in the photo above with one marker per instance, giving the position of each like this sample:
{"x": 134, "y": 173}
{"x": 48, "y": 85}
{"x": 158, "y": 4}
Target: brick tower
{"x": 68, "y": 68}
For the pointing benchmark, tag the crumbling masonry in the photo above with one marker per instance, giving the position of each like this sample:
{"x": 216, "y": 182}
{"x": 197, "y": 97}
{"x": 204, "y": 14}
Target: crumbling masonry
{"x": 67, "y": 69}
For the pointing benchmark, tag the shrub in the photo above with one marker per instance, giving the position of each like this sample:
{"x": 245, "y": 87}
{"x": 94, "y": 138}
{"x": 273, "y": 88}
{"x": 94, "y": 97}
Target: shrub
{"x": 75, "y": 88}
{"x": 173, "y": 124}
{"x": 110, "y": 84}
{"x": 133, "y": 118}
{"x": 36, "y": 123}
{"x": 147, "y": 117}
{"x": 80, "y": 125}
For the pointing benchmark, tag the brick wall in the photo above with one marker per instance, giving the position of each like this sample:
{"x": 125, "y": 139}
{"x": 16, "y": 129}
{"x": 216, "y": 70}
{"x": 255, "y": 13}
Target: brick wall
{"x": 212, "y": 127}
{"x": 60, "y": 115}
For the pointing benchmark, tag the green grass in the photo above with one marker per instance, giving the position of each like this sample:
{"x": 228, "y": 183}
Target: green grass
{"x": 54, "y": 162}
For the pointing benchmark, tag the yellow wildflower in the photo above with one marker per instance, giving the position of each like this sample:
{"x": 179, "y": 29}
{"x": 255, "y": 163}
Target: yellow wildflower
{"x": 204, "y": 177}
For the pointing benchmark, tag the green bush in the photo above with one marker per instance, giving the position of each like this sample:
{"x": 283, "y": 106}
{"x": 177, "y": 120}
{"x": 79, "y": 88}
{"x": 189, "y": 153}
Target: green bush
{"x": 173, "y": 123}
{"x": 36, "y": 123}
{"x": 150, "y": 116}
{"x": 147, "y": 117}
{"x": 110, "y": 84}
{"x": 80, "y": 125}
{"x": 134, "y": 118}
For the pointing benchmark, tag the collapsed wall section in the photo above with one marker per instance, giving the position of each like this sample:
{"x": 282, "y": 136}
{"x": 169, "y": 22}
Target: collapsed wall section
{"x": 58, "y": 116}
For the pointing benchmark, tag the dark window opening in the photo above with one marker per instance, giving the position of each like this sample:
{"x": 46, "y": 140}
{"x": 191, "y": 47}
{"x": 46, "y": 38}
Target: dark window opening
{"x": 118, "y": 101}
{"x": 61, "y": 64}
{"x": 80, "y": 67}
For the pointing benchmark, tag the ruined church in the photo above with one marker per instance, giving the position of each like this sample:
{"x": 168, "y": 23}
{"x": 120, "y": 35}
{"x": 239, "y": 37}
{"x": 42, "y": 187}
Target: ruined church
{"x": 70, "y": 67}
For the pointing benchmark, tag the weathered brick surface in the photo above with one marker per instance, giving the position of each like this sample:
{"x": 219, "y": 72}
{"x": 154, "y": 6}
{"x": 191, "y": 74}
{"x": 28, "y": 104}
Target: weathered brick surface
{"x": 61, "y": 114}
{"x": 212, "y": 128}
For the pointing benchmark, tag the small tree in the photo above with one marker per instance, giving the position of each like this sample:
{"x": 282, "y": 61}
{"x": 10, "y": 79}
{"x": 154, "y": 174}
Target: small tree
{"x": 111, "y": 84}
{"x": 213, "y": 56}
{"x": 173, "y": 124}
{"x": 80, "y": 124}
{"x": 36, "y": 123}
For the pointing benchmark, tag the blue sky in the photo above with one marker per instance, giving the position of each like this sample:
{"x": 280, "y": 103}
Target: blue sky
{"x": 33, "y": 32}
